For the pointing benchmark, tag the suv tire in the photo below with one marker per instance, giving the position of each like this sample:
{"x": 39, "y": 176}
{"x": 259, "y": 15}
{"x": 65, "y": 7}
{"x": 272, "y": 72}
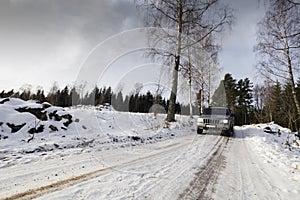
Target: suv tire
{"x": 199, "y": 130}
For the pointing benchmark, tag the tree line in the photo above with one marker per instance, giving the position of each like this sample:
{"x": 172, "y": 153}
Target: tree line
{"x": 275, "y": 102}
{"x": 66, "y": 97}
{"x": 262, "y": 103}
{"x": 239, "y": 97}
{"x": 250, "y": 104}
{"x": 70, "y": 96}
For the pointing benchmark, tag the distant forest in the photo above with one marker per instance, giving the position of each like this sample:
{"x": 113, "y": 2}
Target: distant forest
{"x": 271, "y": 101}
{"x": 267, "y": 102}
{"x": 70, "y": 96}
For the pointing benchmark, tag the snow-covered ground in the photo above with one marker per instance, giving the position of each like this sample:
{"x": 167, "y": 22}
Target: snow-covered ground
{"x": 104, "y": 154}
{"x": 91, "y": 126}
{"x": 260, "y": 165}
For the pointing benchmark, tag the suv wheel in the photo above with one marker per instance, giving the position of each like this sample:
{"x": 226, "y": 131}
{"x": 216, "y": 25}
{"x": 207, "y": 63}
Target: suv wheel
{"x": 226, "y": 133}
{"x": 199, "y": 130}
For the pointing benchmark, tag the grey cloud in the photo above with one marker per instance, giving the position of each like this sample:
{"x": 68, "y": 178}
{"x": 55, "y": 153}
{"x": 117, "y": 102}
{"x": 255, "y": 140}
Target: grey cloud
{"x": 90, "y": 17}
{"x": 56, "y": 35}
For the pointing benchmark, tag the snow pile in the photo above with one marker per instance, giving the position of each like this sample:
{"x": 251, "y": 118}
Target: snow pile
{"x": 41, "y": 128}
{"x": 277, "y": 145}
{"x": 18, "y": 116}
{"x": 111, "y": 129}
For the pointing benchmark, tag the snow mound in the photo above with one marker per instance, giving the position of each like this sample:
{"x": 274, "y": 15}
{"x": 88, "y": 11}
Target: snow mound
{"x": 43, "y": 128}
{"x": 18, "y": 116}
{"x": 284, "y": 136}
{"x": 277, "y": 145}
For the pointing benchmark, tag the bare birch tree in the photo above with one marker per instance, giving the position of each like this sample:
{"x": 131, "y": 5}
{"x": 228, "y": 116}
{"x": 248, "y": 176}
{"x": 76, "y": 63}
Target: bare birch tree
{"x": 278, "y": 45}
{"x": 196, "y": 19}
{"x": 295, "y": 2}
{"x": 201, "y": 71}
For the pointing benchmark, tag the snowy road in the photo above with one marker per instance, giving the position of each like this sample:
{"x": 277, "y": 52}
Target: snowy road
{"x": 186, "y": 167}
{"x": 162, "y": 170}
{"x": 248, "y": 175}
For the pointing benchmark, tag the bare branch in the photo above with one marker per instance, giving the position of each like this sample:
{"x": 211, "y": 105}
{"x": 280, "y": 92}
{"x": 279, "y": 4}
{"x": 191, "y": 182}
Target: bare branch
{"x": 278, "y": 44}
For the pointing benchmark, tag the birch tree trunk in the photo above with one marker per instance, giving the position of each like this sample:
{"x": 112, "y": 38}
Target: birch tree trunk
{"x": 172, "y": 100}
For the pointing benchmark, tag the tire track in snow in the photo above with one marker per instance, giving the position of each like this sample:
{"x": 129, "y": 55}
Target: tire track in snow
{"x": 248, "y": 176}
{"x": 62, "y": 184}
{"x": 260, "y": 175}
{"x": 207, "y": 176}
{"x": 180, "y": 166}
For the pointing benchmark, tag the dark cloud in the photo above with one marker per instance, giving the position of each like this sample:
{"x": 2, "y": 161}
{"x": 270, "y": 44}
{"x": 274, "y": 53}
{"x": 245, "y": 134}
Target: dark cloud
{"x": 89, "y": 17}
{"x": 44, "y": 39}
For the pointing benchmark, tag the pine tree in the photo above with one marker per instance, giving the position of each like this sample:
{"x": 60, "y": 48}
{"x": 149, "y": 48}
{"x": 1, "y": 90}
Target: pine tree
{"x": 75, "y": 97}
{"x": 149, "y": 101}
{"x": 126, "y": 104}
{"x": 132, "y": 103}
{"x": 231, "y": 91}
{"x": 64, "y": 97}
{"x": 4, "y": 94}
{"x": 244, "y": 101}
{"x": 276, "y": 104}
{"x": 107, "y": 95}
{"x": 40, "y": 96}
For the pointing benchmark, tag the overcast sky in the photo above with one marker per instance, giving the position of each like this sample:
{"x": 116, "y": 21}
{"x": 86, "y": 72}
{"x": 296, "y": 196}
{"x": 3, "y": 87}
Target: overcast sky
{"x": 237, "y": 56}
{"x": 46, "y": 41}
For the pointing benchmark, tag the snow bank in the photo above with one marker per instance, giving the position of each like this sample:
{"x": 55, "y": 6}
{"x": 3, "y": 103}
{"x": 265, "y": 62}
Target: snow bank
{"x": 279, "y": 147}
{"x": 80, "y": 127}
